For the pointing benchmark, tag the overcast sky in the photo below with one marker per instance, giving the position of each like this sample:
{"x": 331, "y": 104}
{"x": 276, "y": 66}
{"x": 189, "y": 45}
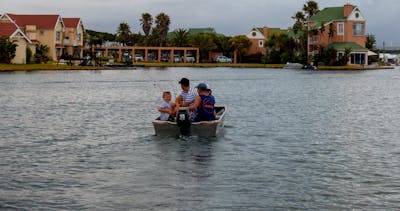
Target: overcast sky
{"x": 229, "y": 17}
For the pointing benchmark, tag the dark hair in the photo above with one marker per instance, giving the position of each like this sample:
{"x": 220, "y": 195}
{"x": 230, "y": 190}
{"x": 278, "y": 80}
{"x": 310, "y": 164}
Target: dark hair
{"x": 184, "y": 81}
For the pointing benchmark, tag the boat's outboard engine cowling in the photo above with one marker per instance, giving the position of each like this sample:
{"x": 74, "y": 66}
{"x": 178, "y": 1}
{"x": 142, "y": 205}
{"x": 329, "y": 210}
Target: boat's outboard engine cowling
{"x": 183, "y": 121}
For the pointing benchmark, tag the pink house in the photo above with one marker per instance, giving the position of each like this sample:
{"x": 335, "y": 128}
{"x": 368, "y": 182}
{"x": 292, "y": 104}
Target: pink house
{"x": 341, "y": 28}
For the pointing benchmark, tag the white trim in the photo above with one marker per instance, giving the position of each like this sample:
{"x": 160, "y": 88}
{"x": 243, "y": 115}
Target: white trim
{"x": 338, "y": 31}
{"x": 19, "y": 31}
{"x": 352, "y": 16}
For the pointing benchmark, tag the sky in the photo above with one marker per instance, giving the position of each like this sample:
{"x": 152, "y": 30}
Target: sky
{"x": 229, "y": 17}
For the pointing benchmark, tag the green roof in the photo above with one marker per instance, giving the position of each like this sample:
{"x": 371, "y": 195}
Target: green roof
{"x": 272, "y": 31}
{"x": 328, "y": 14}
{"x": 193, "y": 31}
{"x": 343, "y": 45}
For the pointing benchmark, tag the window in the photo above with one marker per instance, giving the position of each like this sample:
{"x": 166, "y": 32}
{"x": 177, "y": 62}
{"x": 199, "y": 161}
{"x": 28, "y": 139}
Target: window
{"x": 340, "y": 30}
{"x": 260, "y": 43}
{"x": 340, "y": 56}
{"x": 41, "y": 33}
{"x": 357, "y": 58}
{"x": 254, "y": 34}
{"x": 358, "y": 29}
{"x": 58, "y": 36}
{"x": 79, "y": 37}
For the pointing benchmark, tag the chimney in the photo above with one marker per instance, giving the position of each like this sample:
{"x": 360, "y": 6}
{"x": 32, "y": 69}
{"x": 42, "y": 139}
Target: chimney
{"x": 265, "y": 31}
{"x": 347, "y": 9}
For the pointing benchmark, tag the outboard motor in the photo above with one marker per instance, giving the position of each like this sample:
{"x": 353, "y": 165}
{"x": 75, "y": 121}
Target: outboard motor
{"x": 183, "y": 120}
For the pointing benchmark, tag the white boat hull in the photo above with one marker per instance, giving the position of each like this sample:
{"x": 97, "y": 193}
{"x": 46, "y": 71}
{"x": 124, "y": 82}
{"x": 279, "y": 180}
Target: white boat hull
{"x": 202, "y": 129}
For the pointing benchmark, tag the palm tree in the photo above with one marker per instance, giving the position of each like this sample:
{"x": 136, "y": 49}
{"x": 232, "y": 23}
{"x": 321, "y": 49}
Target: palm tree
{"x": 123, "y": 33}
{"x": 310, "y": 8}
{"x": 299, "y": 17}
{"x": 8, "y": 49}
{"x": 146, "y": 22}
{"x": 162, "y": 24}
{"x": 180, "y": 38}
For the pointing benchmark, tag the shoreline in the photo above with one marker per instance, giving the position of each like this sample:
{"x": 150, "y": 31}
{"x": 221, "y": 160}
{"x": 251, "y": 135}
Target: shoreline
{"x": 51, "y": 66}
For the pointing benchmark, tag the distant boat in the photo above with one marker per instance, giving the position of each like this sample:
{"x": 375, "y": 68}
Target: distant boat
{"x": 201, "y": 129}
{"x": 293, "y": 66}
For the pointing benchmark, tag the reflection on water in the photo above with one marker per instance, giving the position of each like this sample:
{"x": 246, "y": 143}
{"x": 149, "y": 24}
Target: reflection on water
{"x": 74, "y": 140}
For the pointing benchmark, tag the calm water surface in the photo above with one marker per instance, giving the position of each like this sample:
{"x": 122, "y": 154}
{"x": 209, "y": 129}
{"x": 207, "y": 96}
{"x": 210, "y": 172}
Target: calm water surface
{"x": 294, "y": 140}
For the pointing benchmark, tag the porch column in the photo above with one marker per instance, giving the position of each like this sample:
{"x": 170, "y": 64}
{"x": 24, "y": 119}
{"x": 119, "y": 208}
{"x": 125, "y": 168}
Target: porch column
{"x": 119, "y": 54}
{"x": 234, "y": 57}
{"x": 159, "y": 55}
{"x": 171, "y": 56}
{"x": 133, "y": 55}
{"x": 184, "y": 55}
{"x": 146, "y": 55}
{"x": 197, "y": 56}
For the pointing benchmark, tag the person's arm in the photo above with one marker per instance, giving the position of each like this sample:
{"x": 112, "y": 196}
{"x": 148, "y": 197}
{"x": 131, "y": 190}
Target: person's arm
{"x": 196, "y": 103}
{"x": 165, "y": 110}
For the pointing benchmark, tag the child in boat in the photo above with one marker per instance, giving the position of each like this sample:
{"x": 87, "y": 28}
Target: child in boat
{"x": 204, "y": 103}
{"x": 166, "y": 108}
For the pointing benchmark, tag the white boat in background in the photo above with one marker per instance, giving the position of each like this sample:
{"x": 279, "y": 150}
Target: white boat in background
{"x": 293, "y": 66}
{"x": 201, "y": 129}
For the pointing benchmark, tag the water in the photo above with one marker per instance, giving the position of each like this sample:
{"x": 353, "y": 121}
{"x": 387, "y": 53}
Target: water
{"x": 294, "y": 140}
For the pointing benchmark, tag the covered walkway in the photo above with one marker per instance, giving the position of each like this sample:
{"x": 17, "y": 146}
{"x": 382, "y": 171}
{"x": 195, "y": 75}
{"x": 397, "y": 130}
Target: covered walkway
{"x": 149, "y": 54}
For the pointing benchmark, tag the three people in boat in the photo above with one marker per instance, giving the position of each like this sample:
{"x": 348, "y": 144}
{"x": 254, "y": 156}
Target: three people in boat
{"x": 200, "y": 104}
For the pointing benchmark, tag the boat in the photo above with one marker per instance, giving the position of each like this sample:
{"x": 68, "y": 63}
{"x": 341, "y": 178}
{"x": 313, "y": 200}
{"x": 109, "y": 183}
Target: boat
{"x": 289, "y": 65}
{"x": 201, "y": 129}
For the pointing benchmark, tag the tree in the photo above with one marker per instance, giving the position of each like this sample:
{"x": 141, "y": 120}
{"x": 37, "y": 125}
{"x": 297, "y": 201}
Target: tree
{"x": 123, "y": 33}
{"x": 280, "y": 49}
{"x": 241, "y": 44}
{"x": 322, "y": 29}
{"x": 205, "y": 43}
{"x": 332, "y": 31}
{"x": 8, "y": 49}
{"x": 299, "y": 17}
{"x": 162, "y": 24}
{"x": 41, "y": 53}
{"x": 146, "y": 22}
{"x": 371, "y": 41}
{"x": 180, "y": 38}
{"x": 310, "y": 8}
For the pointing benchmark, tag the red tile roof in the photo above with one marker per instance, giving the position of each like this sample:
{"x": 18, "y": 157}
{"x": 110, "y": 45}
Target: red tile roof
{"x": 7, "y": 29}
{"x": 71, "y": 22}
{"x": 41, "y": 21}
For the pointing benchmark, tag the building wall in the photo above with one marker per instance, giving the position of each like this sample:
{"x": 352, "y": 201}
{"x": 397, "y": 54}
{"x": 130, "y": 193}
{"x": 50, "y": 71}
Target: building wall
{"x": 20, "y": 53}
{"x": 75, "y": 38}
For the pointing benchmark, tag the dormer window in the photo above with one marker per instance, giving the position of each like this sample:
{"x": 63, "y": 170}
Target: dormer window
{"x": 357, "y": 15}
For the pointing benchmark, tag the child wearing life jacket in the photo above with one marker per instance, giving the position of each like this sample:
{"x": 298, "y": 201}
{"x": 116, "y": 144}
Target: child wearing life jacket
{"x": 204, "y": 103}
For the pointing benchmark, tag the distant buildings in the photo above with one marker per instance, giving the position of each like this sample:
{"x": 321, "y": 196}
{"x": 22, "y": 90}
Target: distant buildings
{"x": 63, "y": 36}
{"x": 341, "y": 28}
{"x": 259, "y": 36}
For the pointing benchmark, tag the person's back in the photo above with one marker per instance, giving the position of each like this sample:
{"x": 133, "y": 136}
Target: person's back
{"x": 205, "y": 110}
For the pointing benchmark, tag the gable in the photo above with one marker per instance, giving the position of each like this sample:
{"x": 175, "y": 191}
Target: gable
{"x": 255, "y": 34}
{"x": 356, "y": 15}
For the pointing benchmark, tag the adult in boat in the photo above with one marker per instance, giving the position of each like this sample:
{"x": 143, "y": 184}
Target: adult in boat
{"x": 204, "y": 104}
{"x": 186, "y": 98}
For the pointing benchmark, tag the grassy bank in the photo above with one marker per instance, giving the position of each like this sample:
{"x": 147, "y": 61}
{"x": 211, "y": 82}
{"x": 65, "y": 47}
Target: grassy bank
{"x": 241, "y": 65}
{"x": 54, "y": 66}
{"x": 50, "y": 66}
{"x": 353, "y": 67}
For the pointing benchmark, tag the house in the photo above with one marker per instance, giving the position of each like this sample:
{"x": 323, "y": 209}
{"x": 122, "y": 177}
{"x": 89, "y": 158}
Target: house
{"x": 45, "y": 29}
{"x": 73, "y": 37}
{"x": 259, "y": 36}
{"x": 12, "y": 32}
{"x": 341, "y": 28}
